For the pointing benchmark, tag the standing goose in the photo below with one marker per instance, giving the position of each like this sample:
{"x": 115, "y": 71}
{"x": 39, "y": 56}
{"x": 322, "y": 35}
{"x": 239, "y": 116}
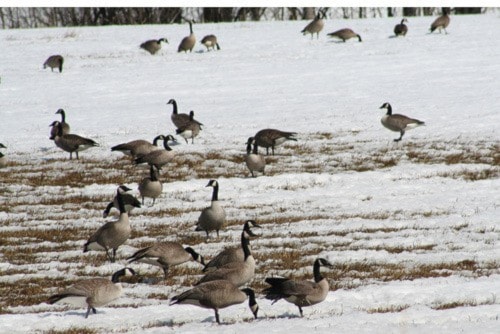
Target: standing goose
{"x": 212, "y": 218}
{"x": 112, "y": 234}
{"x": 441, "y": 22}
{"x": 210, "y": 41}
{"x": 129, "y": 201}
{"x": 158, "y": 158}
{"x": 272, "y": 137}
{"x": 71, "y": 142}
{"x": 254, "y": 161}
{"x": 216, "y": 295}
{"x": 188, "y": 42}
{"x": 397, "y": 122}
{"x": 233, "y": 254}
{"x": 65, "y": 126}
{"x": 166, "y": 255}
{"x": 344, "y": 34}
{"x": 3, "y": 158}
{"x": 55, "y": 61}
{"x": 153, "y": 45}
{"x": 190, "y": 129}
{"x": 401, "y": 29}
{"x": 316, "y": 25}
{"x": 94, "y": 292}
{"x": 138, "y": 147}
{"x": 150, "y": 186}
{"x": 238, "y": 273}
{"x": 300, "y": 293}
{"x": 179, "y": 120}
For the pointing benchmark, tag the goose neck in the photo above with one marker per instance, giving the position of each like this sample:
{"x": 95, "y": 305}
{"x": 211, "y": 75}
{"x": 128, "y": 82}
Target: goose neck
{"x": 317, "y": 274}
{"x": 215, "y": 193}
{"x": 245, "y": 245}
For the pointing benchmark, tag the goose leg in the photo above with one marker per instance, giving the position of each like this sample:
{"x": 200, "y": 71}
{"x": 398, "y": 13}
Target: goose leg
{"x": 217, "y": 316}
{"x": 301, "y": 313}
{"x": 88, "y": 311}
{"x": 401, "y": 137}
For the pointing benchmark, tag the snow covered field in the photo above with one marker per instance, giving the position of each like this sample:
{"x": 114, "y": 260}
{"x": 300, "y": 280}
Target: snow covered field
{"x": 412, "y": 228}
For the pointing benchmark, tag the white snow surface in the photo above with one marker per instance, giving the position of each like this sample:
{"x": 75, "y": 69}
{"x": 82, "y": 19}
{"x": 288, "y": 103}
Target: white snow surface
{"x": 268, "y": 75}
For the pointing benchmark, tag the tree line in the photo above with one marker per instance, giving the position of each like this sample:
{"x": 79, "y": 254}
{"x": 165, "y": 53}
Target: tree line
{"x": 25, "y": 17}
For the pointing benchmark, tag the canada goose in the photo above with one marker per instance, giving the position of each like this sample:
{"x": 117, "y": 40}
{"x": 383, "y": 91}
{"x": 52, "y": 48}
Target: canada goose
{"x": 138, "y": 147}
{"x": 212, "y": 218}
{"x": 55, "y": 61}
{"x": 150, "y": 186}
{"x": 300, "y": 293}
{"x": 129, "y": 201}
{"x": 401, "y": 29}
{"x": 179, "y": 120}
{"x": 397, "y": 122}
{"x": 153, "y": 45}
{"x": 94, "y": 292}
{"x": 71, "y": 142}
{"x": 238, "y": 273}
{"x": 233, "y": 254}
{"x": 3, "y": 158}
{"x": 210, "y": 41}
{"x": 158, "y": 158}
{"x": 254, "y": 160}
{"x": 316, "y": 25}
{"x": 166, "y": 255}
{"x": 190, "y": 129}
{"x": 188, "y": 42}
{"x": 216, "y": 295}
{"x": 441, "y": 22}
{"x": 65, "y": 126}
{"x": 112, "y": 234}
{"x": 344, "y": 34}
{"x": 272, "y": 137}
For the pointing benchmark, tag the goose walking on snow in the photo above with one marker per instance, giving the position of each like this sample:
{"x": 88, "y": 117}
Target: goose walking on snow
{"x": 210, "y": 41}
{"x": 344, "y": 34}
{"x": 65, "y": 126}
{"x": 190, "y": 129}
{"x": 254, "y": 161}
{"x": 212, "y": 218}
{"x": 150, "y": 186}
{"x": 271, "y": 138}
{"x": 316, "y": 25}
{"x": 138, "y": 147}
{"x": 71, "y": 142}
{"x": 401, "y": 29}
{"x": 188, "y": 42}
{"x": 153, "y": 45}
{"x": 55, "y": 61}
{"x": 441, "y": 22}
{"x": 158, "y": 158}
{"x": 397, "y": 122}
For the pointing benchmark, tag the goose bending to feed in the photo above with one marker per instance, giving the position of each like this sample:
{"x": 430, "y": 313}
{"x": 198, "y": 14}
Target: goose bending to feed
{"x": 401, "y": 29}
{"x": 216, "y": 295}
{"x": 441, "y": 22}
{"x": 188, "y": 42}
{"x": 316, "y": 25}
{"x": 55, "y": 61}
{"x": 150, "y": 186}
{"x": 129, "y": 201}
{"x": 112, "y": 234}
{"x": 254, "y": 161}
{"x": 397, "y": 122}
{"x": 300, "y": 293}
{"x": 210, "y": 41}
{"x": 94, "y": 292}
{"x": 3, "y": 158}
{"x": 138, "y": 147}
{"x": 271, "y": 137}
{"x": 232, "y": 254}
{"x": 190, "y": 129}
{"x": 71, "y": 142}
{"x": 166, "y": 255}
{"x": 212, "y": 218}
{"x": 65, "y": 126}
{"x": 158, "y": 158}
{"x": 344, "y": 34}
{"x": 153, "y": 45}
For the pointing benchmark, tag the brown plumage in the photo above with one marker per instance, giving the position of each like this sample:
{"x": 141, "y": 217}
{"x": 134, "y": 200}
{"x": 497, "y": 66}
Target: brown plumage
{"x": 316, "y": 25}
{"x": 188, "y": 42}
{"x": 71, "y": 142}
{"x": 158, "y": 158}
{"x": 401, "y": 29}
{"x": 210, "y": 41}
{"x": 138, "y": 147}
{"x": 254, "y": 161}
{"x": 269, "y": 138}
{"x": 397, "y": 122}
{"x": 65, "y": 126}
{"x": 55, "y": 61}
{"x": 190, "y": 129}
{"x": 344, "y": 34}
{"x": 153, "y": 45}
{"x": 441, "y": 23}
{"x": 212, "y": 218}
{"x": 150, "y": 186}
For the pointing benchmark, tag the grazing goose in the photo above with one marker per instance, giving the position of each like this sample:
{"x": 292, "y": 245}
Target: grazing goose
{"x": 316, "y": 25}
{"x": 272, "y": 137}
{"x": 441, "y": 22}
{"x": 397, "y": 122}
{"x": 216, "y": 295}
{"x": 212, "y": 218}
{"x": 3, "y": 158}
{"x": 210, "y": 41}
{"x": 112, "y": 234}
{"x": 254, "y": 161}
{"x": 55, "y": 61}
{"x": 153, "y": 45}
{"x": 129, "y": 201}
{"x": 138, "y": 147}
{"x": 188, "y": 42}
{"x": 190, "y": 129}
{"x": 300, "y": 293}
{"x": 71, "y": 142}
{"x": 158, "y": 158}
{"x": 166, "y": 255}
{"x": 65, "y": 126}
{"x": 233, "y": 254}
{"x": 240, "y": 272}
{"x": 344, "y": 34}
{"x": 401, "y": 29}
{"x": 150, "y": 186}
{"x": 94, "y": 292}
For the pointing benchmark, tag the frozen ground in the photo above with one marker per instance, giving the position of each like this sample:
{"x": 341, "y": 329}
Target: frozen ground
{"x": 411, "y": 227}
